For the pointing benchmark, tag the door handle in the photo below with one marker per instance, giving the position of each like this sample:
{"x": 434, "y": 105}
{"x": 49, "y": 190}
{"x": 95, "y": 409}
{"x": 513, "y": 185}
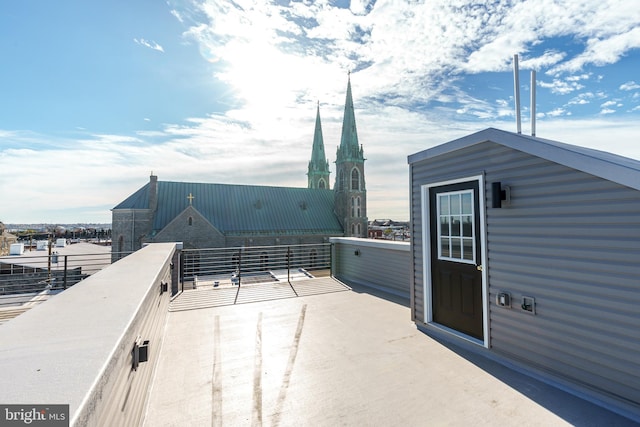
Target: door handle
{"x": 479, "y": 267}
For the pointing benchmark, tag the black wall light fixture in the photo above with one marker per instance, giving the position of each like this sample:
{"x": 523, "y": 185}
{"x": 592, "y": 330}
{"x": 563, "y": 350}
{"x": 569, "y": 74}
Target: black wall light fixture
{"x": 139, "y": 353}
{"x": 498, "y": 194}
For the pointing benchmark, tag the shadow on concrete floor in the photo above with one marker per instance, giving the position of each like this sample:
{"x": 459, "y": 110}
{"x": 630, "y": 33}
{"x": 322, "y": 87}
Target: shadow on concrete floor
{"x": 575, "y": 410}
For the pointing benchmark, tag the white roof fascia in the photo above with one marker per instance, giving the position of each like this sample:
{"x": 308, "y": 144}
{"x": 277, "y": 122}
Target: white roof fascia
{"x": 612, "y": 167}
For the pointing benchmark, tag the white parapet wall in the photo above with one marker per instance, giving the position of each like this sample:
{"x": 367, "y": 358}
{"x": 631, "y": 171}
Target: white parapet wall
{"x": 76, "y": 348}
{"x": 380, "y": 264}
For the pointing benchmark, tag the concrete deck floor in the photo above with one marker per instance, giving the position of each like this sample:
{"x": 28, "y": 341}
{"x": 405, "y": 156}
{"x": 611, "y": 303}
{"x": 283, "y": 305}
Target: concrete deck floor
{"x": 345, "y": 358}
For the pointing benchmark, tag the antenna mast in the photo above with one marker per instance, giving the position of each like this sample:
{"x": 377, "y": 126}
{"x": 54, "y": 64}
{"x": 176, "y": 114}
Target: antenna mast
{"x": 516, "y": 86}
{"x": 533, "y": 103}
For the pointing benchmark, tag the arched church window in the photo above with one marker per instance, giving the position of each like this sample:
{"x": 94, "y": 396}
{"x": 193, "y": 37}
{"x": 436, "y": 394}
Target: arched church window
{"x": 355, "y": 179}
{"x": 359, "y": 230}
{"x": 322, "y": 184}
{"x": 353, "y": 229}
{"x": 353, "y": 207}
{"x": 358, "y": 207}
{"x": 190, "y": 220}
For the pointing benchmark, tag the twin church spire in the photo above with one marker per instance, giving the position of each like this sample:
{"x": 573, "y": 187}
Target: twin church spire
{"x": 318, "y": 175}
{"x": 349, "y": 188}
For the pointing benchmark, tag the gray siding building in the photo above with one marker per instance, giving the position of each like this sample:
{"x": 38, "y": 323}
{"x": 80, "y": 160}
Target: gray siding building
{"x": 530, "y": 248}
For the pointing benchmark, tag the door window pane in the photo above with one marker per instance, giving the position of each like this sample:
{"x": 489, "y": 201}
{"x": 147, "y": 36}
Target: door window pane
{"x": 444, "y": 247}
{"x": 455, "y": 204}
{"x": 443, "y": 202}
{"x": 467, "y": 249}
{"x": 444, "y": 226}
{"x": 456, "y": 249}
{"x": 467, "y": 226}
{"x": 456, "y": 226}
{"x": 467, "y": 204}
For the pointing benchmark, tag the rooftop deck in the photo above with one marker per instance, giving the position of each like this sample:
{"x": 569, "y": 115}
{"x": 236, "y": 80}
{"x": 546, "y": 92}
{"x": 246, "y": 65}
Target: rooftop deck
{"x": 119, "y": 350}
{"x": 348, "y": 357}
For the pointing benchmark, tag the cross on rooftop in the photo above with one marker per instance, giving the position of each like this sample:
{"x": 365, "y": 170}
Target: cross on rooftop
{"x": 190, "y": 197}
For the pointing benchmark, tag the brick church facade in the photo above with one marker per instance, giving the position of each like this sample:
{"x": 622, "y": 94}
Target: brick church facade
{"x": 203, "y": 215}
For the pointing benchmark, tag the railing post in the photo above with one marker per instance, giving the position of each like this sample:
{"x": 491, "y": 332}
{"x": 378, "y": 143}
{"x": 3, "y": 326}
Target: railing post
{"x": 175, "y": 271}
{"x": 289, "y": 264}
{"x": 49, "y": 264}
{"x": 331, "y": 248}
{"x": 239, "y": 267}
{"x": 181, "y": 272}
{"x": 64, "y": 280}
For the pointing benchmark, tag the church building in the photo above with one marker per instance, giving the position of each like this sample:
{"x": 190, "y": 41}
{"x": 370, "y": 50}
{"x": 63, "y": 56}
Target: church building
{"x": 203, "y": 215}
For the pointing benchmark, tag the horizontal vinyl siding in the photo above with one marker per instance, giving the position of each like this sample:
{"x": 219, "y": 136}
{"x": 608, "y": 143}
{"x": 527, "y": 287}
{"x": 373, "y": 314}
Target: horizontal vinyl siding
{"x": 418, "y": 177}
{"x": 125, "y": 402}
{"x": 571, "y": 241}
{"x": 384, "y": 268}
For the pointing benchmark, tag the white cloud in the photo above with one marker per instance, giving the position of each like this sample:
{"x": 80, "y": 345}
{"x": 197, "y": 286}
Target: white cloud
{"x": 604, "y": 51}
{"x": 556, "y": 112}
{"x": 630, "y": 85}
{"x": 408, "y": 59}
{"x": 413, "y": 51}
{"x": 577, "y": 78}
{"x": 581, "y": 99}
{"x": 177, "y": 15}
{"x": 561, "y": 87}
{"x": 150, "y": 44}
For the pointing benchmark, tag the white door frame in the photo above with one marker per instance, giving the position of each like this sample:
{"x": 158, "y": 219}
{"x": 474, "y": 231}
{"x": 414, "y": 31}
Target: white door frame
{"x": 426, "y": 256}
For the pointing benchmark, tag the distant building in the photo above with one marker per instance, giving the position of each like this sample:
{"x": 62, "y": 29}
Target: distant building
{"x": 203, "y": 215}
{"x": 389, "y": 229}
{"x": 6, "y": 240}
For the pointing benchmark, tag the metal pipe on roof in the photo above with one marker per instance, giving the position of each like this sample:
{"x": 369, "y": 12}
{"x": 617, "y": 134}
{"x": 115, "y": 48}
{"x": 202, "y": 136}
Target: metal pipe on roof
{"x": 533, "y": 103}
{"x": 516, "y": 86}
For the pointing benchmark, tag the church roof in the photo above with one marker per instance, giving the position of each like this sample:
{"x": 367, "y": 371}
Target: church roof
{"x": 243, "y": 209}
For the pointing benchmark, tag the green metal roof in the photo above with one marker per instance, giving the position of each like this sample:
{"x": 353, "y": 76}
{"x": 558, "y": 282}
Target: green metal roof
{"x": 244, "y": 209}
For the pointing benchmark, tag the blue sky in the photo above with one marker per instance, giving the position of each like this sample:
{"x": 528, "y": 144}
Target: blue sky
{"x": 96, "y": 95}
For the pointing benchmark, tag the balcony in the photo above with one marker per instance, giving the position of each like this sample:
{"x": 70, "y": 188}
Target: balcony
{"x": 122, "y": 347}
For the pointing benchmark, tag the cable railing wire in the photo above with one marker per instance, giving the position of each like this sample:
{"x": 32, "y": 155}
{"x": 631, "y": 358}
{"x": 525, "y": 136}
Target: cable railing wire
{"x": 28, "y": 279}
{"x": 254, "y": 264}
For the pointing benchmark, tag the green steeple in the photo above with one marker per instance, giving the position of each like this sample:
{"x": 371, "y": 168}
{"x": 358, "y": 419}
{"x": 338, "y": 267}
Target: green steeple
{"x": 318, "y": 166}
{"x": 349, "y": 191}
{"x": 350, "y": 149}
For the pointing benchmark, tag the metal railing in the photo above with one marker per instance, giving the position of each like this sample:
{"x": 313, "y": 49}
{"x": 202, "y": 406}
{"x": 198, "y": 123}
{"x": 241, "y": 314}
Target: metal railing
{"x": 26, "y": 277}
{"x": 254, "y": 264}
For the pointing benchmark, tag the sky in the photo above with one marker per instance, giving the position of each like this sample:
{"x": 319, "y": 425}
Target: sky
{"x": 95, "y": 96}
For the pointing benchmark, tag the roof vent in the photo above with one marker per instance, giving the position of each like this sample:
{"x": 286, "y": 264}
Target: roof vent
{"x": 258, "y": 204}
{"x": 303, "y": 205}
